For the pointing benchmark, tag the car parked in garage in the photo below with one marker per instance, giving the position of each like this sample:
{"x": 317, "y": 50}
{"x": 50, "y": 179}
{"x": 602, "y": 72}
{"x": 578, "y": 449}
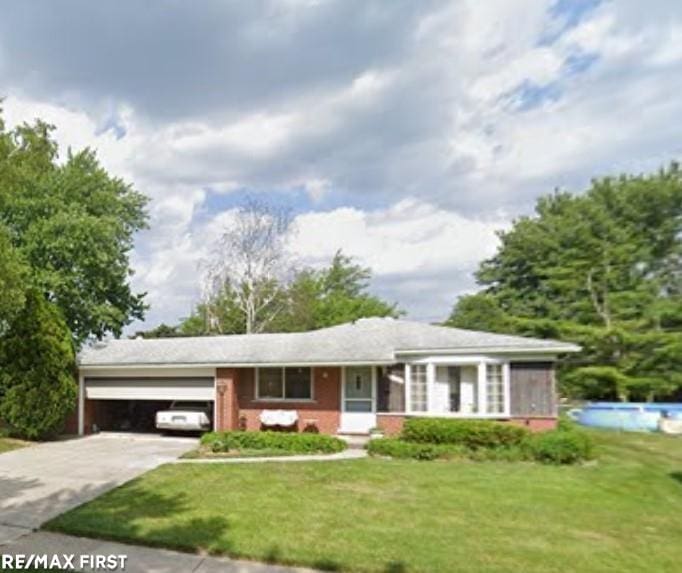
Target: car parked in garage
{"x": 185, "y": 416}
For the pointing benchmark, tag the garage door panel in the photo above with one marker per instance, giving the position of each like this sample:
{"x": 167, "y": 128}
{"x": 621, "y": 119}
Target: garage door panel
{"x": 149, "y": 388}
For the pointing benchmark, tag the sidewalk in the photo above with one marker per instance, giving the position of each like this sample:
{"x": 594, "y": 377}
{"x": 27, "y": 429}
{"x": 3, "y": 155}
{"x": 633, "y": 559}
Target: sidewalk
{"x": 139, "y": 559}
{"x": 349, "y": 454}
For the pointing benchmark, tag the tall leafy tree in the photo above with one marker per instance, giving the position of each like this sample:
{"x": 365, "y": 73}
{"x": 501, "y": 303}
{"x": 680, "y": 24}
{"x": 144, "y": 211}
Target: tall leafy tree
{"x": 72, "y": 224}
{"x": 333, "y": 295}
{"x": 37, "y": 370}
{"x": 604, "y": 269}
{"x": 13, "y": 275}
{"x": 315, "y": 298}
{"x": 250, "y": 265}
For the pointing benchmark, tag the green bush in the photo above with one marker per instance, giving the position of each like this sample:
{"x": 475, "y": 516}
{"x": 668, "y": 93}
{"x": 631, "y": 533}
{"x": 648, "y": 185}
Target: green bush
{"x": 221, "y": 442}
{"x": 472, "y": 434}
{"x": 38, "y": 387}
{"x": 560, "y": 446}
{"x": 397, "y": 448}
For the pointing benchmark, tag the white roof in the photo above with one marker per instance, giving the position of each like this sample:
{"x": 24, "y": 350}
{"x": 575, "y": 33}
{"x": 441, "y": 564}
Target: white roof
{"x": 368, "y": 340}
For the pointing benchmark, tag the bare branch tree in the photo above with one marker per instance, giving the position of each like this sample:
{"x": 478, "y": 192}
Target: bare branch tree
{"x": 251, "y": 263}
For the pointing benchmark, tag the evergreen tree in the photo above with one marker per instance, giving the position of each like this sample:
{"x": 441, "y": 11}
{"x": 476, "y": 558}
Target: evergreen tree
{"x": 37, "y": 370}
{"x": 603, "y": 269}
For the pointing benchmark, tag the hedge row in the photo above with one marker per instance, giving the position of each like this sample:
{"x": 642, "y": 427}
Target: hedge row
{"x": 472, "y": 434}
{"x": 440, "y": 438}
{"x": 303, "y": 443}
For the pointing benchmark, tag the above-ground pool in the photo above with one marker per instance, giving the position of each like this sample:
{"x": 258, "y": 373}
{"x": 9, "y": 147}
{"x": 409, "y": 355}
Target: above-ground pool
{"x": 632, "y": 416}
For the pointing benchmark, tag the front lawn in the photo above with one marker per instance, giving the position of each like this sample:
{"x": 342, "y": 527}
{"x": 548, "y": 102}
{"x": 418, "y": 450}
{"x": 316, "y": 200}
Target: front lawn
{"x": 622, "y": 513}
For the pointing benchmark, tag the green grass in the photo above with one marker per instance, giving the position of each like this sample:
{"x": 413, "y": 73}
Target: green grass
{"x": 9, "y": 444}
{"x": 206, "y": 453}
{"x": 620, "y": 514}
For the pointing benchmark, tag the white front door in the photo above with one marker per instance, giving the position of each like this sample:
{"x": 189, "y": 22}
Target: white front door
{"x": 358, "y": 406}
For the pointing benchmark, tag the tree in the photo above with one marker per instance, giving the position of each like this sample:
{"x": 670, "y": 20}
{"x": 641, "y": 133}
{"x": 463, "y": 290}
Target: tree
{"x": 479, "y": 312}
{"x": 250, "y": 267}
{"x": 334, "y": 295}
{"x": 603, "y": 269}
{"x": 12, "y": 280}
{"x": 313, "y": 299}
{"x": 37, "y": 370}
{"x": 161, "y": 331}
{"x": 72, "y": 224}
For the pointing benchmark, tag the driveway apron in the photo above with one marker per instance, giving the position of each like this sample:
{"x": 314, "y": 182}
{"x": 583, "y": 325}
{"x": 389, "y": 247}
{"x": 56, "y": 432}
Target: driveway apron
{"x": 40, "y": 482}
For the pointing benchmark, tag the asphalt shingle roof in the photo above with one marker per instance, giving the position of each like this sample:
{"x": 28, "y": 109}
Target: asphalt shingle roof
{"x": 368, "y": 340}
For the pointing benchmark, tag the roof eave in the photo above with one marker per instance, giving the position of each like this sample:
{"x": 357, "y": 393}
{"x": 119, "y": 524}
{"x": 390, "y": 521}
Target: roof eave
{"x": 491, "y": 349}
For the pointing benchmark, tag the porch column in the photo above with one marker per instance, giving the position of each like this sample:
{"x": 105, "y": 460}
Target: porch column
{"x": 481, "y": 387}
{"x": 430, "y": 386}
{"x": 408, "y": 388}
{"x": 81, "y": 404}
{"x": 227, "y": 406}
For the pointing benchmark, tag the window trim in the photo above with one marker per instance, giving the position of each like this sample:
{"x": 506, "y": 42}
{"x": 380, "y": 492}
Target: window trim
{"x": 482, "y": 363}
{"x": 256, "y": 387}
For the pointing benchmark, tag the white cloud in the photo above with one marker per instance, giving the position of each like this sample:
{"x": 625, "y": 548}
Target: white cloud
{"x": 436, "y": 124}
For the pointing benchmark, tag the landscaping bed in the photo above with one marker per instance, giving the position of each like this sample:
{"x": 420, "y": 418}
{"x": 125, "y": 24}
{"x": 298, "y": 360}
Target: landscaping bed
{"x": 620, "y": 513}
{"x": 442, "y": 438}
{"x": 264, "y": 444}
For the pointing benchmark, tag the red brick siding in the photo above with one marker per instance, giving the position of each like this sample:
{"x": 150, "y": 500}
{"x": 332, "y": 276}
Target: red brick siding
{"x": 536, "y": 424}
{"x": 322, "y": 414}
{"x": 226, "y": 405}
{"x": 392, "y": 424}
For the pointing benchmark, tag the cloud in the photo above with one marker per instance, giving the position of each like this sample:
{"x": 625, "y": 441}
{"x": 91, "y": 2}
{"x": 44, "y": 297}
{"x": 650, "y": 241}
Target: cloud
{"x": 402, "y": 131}
{"x": 421, "y": 256}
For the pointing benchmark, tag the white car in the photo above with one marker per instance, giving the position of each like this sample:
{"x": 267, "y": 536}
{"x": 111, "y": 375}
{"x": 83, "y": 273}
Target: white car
{"x": 186, "y": 416}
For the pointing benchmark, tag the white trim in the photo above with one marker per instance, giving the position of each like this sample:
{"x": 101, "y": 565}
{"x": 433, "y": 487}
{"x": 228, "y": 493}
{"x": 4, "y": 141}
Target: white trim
{"x": 482, "y": 390}
{"x": 81, "y": 404}
{"x": 373, "y": 375}
{"x": 506, "y": 378}
{"x": 256, "y": 387}
{"x": 349, "y": 421}
{"x": 464, "y": 360}
{"x": 215, "y": 400}
{"x": 430, "y": 386}
{"x": 408, "y": 388}
{"x": 458, "y": 415}
{"x": 491, "y": 349}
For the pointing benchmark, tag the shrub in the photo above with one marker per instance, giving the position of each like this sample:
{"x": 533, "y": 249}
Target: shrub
{"x": 560, "y": 447}
{"x": 284, "y": 441}
{"x": 472, "y": 434}
{"x": 397, "y": 448}
{"x": 37, "y": 370}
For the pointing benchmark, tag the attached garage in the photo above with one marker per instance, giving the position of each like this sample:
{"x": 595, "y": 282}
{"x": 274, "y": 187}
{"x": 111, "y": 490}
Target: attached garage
{"x": 149, "y": 388}
{"x": 129, "y": 402}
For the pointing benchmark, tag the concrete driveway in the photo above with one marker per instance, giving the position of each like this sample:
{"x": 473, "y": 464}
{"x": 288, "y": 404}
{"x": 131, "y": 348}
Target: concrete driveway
{"x": 40, "y": 482}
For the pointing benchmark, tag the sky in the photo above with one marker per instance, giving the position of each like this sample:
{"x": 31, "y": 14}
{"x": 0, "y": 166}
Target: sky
{"x": 405, "y": 133}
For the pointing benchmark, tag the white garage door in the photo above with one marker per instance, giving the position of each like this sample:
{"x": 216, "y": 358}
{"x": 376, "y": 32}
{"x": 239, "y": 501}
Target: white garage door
{"x": 199, "y": 388}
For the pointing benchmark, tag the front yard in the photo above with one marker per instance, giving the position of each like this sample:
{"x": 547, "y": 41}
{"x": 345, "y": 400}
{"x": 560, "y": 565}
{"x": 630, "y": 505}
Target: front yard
{"x": 622, "y": 513}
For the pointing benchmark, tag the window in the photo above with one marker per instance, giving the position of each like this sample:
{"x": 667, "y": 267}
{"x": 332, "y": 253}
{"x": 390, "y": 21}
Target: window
{"x": 284, "y": 384}
{"x": 495, "y": 389}
{"x": 297, "y": 384}
{"x": 418, "y": 401}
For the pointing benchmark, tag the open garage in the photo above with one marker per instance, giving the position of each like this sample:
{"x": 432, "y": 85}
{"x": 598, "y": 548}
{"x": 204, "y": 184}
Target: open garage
{"x": 130, "y": 403}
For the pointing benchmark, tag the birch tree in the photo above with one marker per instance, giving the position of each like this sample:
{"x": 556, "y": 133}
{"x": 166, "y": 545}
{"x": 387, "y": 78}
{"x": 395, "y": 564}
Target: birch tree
{"x": 250, "y": 265}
